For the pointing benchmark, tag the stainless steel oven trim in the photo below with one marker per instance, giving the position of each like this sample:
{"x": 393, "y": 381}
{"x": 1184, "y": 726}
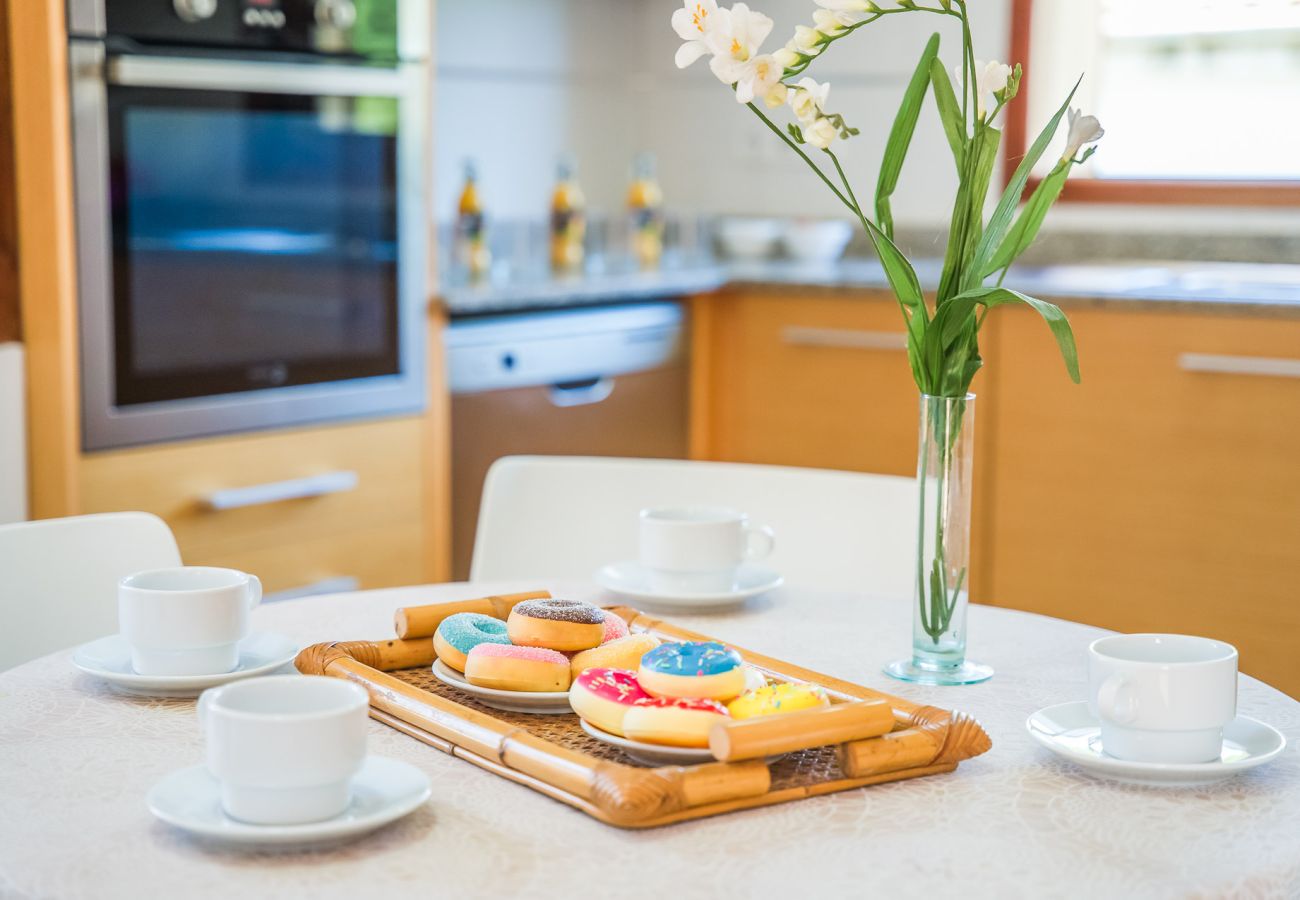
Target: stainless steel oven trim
{"x": 104, "y": 425}
{"x": 257, "y": 77}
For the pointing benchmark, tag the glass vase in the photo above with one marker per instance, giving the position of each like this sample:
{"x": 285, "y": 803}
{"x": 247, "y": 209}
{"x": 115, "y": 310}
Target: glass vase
{"x": 945, "y": 453}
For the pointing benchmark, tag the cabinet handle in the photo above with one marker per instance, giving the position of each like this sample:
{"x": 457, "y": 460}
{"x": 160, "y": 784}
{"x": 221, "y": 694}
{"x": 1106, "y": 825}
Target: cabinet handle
{"x": 849, "y": 338}
{"x": 277, "y": 491}
{"x": 339, "y": 585}
{"x": 1239, "y": 365}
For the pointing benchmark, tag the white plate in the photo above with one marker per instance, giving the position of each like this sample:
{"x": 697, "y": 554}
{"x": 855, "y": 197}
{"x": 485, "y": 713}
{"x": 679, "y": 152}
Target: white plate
{"x": 383, "y": 791}
{"x": 1070, "y": 731}
{"x": 656, "y": 754}
{"x": 541, "y": 703}
{"x": 109, "y": 658}
{"x": 631, "y": 580}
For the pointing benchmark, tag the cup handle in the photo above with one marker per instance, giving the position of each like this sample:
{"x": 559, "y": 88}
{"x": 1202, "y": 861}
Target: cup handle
{"x": 759, "y": 541}
{"x": 1117, "y": 700}
{"x": 254, "y": 591}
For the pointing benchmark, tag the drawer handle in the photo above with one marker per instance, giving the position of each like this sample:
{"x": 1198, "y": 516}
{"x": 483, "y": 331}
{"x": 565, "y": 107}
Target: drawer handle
{"x": 580, "y": 393}
{"x": 277, "y": 491}
{"x": 1239, "y": 365}
{"x": 339, "y": 585}
{"x": 805, "y": 336}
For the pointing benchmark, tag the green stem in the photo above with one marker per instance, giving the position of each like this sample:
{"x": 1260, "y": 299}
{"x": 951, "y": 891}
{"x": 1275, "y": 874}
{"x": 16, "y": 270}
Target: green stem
{"x": 878, "y": 14}
{"x": 804, "y": 156}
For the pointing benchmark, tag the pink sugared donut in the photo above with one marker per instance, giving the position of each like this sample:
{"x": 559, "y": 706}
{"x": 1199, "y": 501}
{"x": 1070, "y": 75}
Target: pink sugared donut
{"x": 615, "y": 628}
{"x": 509, "y": 668}
{"x": 676, "y": 721}
{"x": 603, "y": 696}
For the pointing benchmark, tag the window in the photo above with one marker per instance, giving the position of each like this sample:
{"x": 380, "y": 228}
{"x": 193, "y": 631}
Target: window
{"x": 1200, "y": 98}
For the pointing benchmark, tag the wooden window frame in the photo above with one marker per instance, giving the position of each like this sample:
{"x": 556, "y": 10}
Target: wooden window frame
{"x": 1117, "y": 190}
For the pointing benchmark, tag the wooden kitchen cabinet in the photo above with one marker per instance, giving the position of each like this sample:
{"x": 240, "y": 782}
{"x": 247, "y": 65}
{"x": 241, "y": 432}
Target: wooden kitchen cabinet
{"x": 1160, "y": 494}
{"x": 374, "y": 532}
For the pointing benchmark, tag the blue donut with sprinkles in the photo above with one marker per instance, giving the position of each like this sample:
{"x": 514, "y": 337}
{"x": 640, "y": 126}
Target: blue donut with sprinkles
{"x": 461, "y": 633}
{"x": 698, "y": 669}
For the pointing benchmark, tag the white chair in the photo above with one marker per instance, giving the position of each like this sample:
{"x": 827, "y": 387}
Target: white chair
{"x": 58, "y": 577}
{"x": 564, "y": 517}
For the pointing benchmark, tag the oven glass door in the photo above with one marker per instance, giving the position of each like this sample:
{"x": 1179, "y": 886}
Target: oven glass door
{"x": 254, "y": 239}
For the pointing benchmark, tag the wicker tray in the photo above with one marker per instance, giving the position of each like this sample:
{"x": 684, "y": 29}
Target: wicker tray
{"x": 553, "y": 755}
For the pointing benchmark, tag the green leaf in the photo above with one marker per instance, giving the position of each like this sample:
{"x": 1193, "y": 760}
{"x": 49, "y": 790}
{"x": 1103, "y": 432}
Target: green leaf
{"x": 1026, "y": 226}
{"x": 950, "y": 319}
{"x": 900, "y": 136}
{"x": 968, "y": 213}
{"x": 1006, "y": 207}
{"x": 907, "y": 289}
{"x": 954, "y": 126}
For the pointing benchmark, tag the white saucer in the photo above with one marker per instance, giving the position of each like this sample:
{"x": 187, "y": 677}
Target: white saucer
{"x": 109, "y": 658}
{"x": 656, "y": 754}
{"x": 632, "y": 580}
{"x": 1070, "y": 731}
{"x": 541, "y": 703}
{"x": 383, "y": 791}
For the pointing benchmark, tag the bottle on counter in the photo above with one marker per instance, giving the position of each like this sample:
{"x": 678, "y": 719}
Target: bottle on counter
{"x": 472, "y": 251}
{"x": 645, "y": 213}
{"x": 568, "y": 220}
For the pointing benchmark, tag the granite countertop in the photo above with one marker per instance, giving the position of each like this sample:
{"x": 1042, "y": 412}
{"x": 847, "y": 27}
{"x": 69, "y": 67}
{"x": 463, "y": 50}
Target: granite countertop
{"x": 1244, "y": 287}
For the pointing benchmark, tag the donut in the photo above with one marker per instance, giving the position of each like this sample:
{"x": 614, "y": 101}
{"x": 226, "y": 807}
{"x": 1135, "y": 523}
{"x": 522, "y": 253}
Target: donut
{"x": 624, "y": 653}
{"x": 778, "y": 698}
{"x": 461, "y": 633}
{"x": 509, "y": 668}
{"x": 676, "y": 721}
{"x": 556, "y": 624}
{"x": 754, "y": 679}
{"x": 615, "y": 628}
{"x": 603, "y": 696}
{"x": 703, "y": 669}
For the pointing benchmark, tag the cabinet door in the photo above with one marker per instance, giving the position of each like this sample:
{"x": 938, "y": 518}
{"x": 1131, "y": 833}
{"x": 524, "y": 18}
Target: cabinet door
{"x": 1163, "y": 493}
{"x": 810, "y": 379}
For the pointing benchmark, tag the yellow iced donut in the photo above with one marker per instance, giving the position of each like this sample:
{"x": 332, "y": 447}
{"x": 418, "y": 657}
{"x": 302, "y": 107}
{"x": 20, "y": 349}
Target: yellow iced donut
{"x": 622, "y": 653}
{"x": 777, "y": 698}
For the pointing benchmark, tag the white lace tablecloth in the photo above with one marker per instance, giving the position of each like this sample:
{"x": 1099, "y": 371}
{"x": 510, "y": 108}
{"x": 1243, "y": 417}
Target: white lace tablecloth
{"x": 76, "y": 761}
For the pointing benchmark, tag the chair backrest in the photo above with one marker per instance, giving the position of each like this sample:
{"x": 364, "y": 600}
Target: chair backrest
{"x": 565, "y": 516}
{"x": 58, "y": 577}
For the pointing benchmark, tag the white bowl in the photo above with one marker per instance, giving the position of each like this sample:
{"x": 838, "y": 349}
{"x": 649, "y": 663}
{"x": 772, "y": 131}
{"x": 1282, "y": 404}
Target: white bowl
{"x": 817, "y": 241}
{"x": 749, "y": 238}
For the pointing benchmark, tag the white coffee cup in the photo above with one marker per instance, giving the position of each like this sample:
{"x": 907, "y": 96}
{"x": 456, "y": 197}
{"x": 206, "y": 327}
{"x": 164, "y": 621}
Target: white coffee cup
{"x": 187, "y": 620}
{"x": 1162, "y": 698}
{"x": 696, "y": 549}
{"x": 285, "y": 747}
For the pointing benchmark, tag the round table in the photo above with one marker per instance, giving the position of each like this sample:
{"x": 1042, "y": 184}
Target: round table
{"x": 76, "y": 760}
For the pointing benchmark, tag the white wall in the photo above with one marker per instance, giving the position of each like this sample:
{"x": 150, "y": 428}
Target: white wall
{"x": 13, "y": 436}
{"x": 597, "y": 77}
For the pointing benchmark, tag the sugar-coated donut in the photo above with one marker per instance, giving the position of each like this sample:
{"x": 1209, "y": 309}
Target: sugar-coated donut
{"x": 676, "y": 721}
{"x": 556, "y": 624}
{"x": 461, "y": 633}
{"x": 615, "y": 628}
{"x": 778, "y": 698}
{"x": 624, "y": 653}
{"x": 704, "y": 669}
{"x": 509, "y": 668}
{"x": 603, "y": 696}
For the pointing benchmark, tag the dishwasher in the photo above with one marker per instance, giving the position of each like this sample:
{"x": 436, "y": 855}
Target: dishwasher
{"x": 604, "y": 381}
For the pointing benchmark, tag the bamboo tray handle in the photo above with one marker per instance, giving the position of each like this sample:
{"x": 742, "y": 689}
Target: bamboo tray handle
{"x": 773, "y": 735}
{"x": 423, "y": 621}
{"x": 937, "y": 737}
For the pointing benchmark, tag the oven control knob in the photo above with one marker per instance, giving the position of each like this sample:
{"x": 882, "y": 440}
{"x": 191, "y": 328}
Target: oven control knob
{"x": 195, "y": 10}
{"x": 337, "y": 14}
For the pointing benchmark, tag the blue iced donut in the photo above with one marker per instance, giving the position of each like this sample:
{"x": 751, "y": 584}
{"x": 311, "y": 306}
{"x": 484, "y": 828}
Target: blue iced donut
{"x": 461, "y": 633}
{"x": 701, "y": 669}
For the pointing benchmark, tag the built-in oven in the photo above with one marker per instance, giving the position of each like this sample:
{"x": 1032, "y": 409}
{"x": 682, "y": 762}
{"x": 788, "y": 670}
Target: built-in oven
{"x": 251, "y": 213}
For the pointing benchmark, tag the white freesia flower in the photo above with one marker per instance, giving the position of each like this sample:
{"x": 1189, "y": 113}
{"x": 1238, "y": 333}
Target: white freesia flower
{"x": 831, "y": 23}
{"x": 990, "y": 77}
{"x": 787, "y": 57}
{"x": 808, "y": 99}
{"x": 776, "y": 95}
{"x": 692, "y": 22}
{"x": 820, "y": 133}
{"x": 734, "y": 39}
{"x": 808, "y": 40}
{"x": 1083, "y": 130}
{"x": 760, "y": 77}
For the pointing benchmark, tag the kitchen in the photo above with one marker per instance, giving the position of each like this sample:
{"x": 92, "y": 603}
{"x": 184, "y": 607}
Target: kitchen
{"x": 293, "y": 276}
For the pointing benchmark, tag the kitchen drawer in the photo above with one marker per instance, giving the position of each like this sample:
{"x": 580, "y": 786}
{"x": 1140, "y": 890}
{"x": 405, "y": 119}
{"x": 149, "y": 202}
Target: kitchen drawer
{"x": 1161, "y": 494}
{"x": 363, "y": 481}
{"x": 811, "y": 379}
